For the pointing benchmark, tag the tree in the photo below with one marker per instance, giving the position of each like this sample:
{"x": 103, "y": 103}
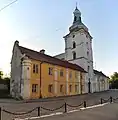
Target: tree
{"x": 7, "y": 79}
{"x": 114, "y": 76}
{"x": 114, "y": 80}
{"x": 1, "y": 75}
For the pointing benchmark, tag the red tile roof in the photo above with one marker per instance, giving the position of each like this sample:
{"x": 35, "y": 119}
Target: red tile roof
{"x": 49, "y": 59}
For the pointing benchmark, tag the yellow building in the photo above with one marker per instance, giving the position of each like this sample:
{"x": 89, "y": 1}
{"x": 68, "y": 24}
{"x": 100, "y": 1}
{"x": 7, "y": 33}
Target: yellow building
{"x": 37, "y": 75}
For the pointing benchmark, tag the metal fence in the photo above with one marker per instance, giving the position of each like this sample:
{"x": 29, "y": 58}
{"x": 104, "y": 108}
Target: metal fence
{"x": 64, "y": 106}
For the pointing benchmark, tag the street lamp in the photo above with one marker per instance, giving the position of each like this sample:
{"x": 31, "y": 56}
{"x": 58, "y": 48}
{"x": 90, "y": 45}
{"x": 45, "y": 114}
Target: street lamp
{"x": 89, "y": 85}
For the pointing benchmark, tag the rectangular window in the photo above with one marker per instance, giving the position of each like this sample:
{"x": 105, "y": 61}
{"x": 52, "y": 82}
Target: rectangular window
{"x": 34, "y": 88}
{"x": 70, "y": 75}
{"x": 33, "y": 68}
{"x": 61, "y": 73}
{"x": 76, "y": 75}
{"x": 70, "y": 88}
{"x": 50, "y": 71}
{"x": 76, "y": 88}
{"x": 50, "y": 88}
{"x": 36, "y": 68}
{"x": 61, "y": 88}
{"x": 81, "y": 77}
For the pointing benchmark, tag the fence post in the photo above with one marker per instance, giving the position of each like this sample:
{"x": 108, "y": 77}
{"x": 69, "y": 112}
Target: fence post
{"x": 65, "y": 107}
{"x": 85, "y": 104}
{"x": 39, "y": 111}
{"x": 101, "y": 101}
{"x": 0, "y": 113}
{"x": 111, "y": 99}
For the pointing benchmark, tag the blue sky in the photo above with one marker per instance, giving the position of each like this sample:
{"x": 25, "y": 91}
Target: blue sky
{"x": 41, "y": 24}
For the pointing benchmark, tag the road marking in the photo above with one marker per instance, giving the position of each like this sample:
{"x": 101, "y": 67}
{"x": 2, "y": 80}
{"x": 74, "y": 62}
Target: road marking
{"x": 60, "y": 113}
{"x": 94, "y": 106}
{"x": 43, "y": 116}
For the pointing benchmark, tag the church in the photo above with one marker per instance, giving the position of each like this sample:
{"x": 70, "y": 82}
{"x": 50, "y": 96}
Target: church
{"x": 78, "y": 50}
{"x": 36, "y": 75}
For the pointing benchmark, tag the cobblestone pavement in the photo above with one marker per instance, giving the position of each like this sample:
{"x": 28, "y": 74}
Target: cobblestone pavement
{"x": 107, "y": 112}
{"x": 91, "y": 99}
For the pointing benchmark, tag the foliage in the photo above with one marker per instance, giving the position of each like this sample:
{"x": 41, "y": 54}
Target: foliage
{"x": 1, "y": 75}
{"x": 114, "y": 81}
{"x": 4, "y": 93}
{"x": 114, "y": 76}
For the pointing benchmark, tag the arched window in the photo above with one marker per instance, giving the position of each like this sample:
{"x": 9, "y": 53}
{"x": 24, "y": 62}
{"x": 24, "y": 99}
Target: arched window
{"x": 74, "y": 55}
{"x": 88, "y": 69}
{"x": 80, "y": 19}
{"x": 74, "y": 45}
{"x": 75, "y": 19}
{"x": 87, "y": 53}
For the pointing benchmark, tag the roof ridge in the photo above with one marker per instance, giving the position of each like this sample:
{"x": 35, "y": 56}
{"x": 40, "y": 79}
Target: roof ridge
{"x": 49, "y": 59}
{"x": 43, "y": 54}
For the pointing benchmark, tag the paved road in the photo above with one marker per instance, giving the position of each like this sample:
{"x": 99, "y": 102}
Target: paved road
{"x": 107, "y": 112}
{"x": 53, "y": 103}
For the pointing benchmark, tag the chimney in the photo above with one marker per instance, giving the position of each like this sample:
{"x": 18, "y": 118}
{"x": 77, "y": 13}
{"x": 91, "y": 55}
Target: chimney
{"x": 17, "y": 42}
{"x": 42, "y": 51}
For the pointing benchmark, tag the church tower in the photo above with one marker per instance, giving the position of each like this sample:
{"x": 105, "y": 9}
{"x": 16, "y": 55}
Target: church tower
{"x": 78, "y": 48}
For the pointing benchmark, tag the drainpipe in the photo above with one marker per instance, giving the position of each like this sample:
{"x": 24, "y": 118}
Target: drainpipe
{"x": 99, "y": 83}
{"x": 81, "y": 78}
{"x": 40, "y": 79}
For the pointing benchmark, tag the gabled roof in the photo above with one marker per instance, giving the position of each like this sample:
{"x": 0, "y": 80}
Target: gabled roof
{"x": 100, "y": 73}
{"x": 48, "y": 59}
{"x": 59, "y": 54}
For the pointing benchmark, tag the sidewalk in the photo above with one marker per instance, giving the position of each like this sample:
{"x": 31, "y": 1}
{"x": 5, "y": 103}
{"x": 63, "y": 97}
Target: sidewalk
{"x": 107, "y": 112}
{"x": 52, "y": 103}
{"x": 51, "y": 99}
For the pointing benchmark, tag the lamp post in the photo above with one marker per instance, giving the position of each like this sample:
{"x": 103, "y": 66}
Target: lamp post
{"x": 89, "y": 86}
{"x": 40, "y": 79}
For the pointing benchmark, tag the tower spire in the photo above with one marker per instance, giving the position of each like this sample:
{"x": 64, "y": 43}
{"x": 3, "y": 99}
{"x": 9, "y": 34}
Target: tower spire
{"x": 77, "y": 15}
{"x": 76, "y": 5}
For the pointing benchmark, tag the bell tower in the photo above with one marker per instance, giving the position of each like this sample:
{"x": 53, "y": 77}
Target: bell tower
{"x": 78, "y": 48}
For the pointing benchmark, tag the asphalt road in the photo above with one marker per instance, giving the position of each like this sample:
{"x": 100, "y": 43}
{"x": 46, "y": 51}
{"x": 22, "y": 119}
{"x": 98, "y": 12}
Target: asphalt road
{"x": 107, "y": 112}
{"x": 14, "y": 106}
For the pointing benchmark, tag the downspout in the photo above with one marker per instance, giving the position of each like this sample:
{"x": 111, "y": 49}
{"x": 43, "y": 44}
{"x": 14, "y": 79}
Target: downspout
{"x": 99, "y": 83}
{"x": 40, "y": 80}
{"x": 81, "y": 82}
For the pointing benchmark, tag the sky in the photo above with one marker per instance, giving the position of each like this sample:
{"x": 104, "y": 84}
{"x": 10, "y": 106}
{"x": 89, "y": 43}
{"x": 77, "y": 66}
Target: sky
{"x": 41, "y": 24}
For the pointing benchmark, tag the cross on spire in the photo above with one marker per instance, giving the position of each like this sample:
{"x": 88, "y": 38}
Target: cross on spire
{"x": 76, "y": 5}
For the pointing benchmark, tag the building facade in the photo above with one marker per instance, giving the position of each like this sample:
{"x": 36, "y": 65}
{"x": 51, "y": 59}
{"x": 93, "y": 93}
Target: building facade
{"x": 101, "y": 81}
{"x": 78, "y": 50}
{"x": 36, "y": 75}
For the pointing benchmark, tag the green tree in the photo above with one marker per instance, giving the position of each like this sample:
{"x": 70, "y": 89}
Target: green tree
{"x": 1, "y": 75}
{"x": 114, "y": 80}
{"x": 7, "y": 79}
